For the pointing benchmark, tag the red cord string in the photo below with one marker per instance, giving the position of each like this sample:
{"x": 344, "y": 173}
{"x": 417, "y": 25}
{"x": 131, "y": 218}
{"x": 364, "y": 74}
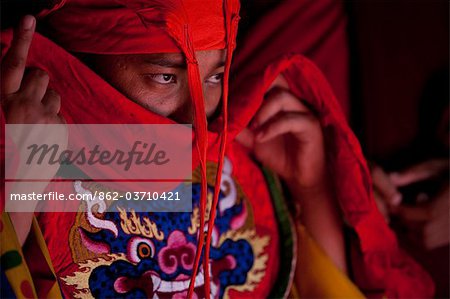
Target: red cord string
{"x": 201, "y": 137}
{"x": 231, "y": 23}
{"x": 231, "y": 8}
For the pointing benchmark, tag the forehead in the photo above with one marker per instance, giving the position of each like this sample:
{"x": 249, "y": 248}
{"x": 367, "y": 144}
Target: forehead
{"x": 177, "y": 60}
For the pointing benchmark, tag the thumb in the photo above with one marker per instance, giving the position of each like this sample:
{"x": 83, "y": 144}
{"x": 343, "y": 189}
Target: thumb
{"x": 383, "y": 185}
{"x": 419, "y": 172}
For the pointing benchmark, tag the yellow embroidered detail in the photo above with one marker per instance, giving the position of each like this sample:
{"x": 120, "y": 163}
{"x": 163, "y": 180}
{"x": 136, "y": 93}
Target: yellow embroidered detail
{"x": 195, "y": 216}
{"x": 257, "y": 272}
{"x": 131, "y": 224}
{"x": 195, "y": 222}
{"x": 80, "y": 279}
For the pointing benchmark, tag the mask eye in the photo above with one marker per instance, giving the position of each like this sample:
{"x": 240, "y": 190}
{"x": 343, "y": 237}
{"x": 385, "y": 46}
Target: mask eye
{"x": 215, "y": 79}
{"x": 163, "y": 78}
{"x": 144, "y": 250}
{"x": 140, "y": 248}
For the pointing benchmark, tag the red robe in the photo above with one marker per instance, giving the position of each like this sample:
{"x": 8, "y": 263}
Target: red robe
{"x": 85, "y": 261}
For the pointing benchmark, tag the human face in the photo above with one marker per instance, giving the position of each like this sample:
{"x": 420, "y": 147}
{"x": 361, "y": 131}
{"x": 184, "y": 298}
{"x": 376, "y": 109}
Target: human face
{"x": 159, "y": 82}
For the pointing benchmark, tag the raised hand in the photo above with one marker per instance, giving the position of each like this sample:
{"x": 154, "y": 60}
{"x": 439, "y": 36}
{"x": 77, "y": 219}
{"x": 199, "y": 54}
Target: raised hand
{"x": 26, "y": 99}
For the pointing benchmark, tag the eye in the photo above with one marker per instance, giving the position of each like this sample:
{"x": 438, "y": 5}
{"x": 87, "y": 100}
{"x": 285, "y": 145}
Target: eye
{"x": 215, "y": 79}
{"x": 139, "y": 249}
{"x": 144, "y": 250}
{"x": 163, "y": 78}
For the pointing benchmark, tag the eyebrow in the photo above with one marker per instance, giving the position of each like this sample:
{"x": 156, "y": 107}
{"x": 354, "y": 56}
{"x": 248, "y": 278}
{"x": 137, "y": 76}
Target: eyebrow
{"x": 221, "y": 63}
{"x": 175, "y": 63}
{"x": 166, "y": 62}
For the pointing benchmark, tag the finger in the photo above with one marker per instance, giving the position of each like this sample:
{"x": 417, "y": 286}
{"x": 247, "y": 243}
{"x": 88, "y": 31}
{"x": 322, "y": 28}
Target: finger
{"x": 52, "y": 101}
{"x": 381, "y": 204}
{"x": 382, "y": 183}
{"x": 288, "y": 122}
{"x": 417, "y": 214}
{"x": 13, "y": 64}
{"x": 34, "y": 86}
{"x": 436, "y": 233}
{"x": 276, "y": 100}
{"x": 57, "y": 119}
{"x": 61, "y": 119}
{"x": 246, "y": 138}
{"x": 279, "y": 81}
{"x": 419, "y": 172}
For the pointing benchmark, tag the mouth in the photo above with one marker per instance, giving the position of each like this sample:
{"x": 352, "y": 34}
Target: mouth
{"x": 155, "y": 287}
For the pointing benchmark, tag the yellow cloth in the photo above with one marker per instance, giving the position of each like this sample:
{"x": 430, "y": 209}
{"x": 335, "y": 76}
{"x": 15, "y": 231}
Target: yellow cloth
{"x": 14, "y": 264}
{"x": 316, "y": 276}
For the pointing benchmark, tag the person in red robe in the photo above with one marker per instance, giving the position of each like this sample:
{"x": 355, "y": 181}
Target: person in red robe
{"x": 165, "y": 62}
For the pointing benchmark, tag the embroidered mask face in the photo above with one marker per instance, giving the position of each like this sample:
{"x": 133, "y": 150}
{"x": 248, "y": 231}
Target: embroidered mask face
{"x": 152, "y": 254}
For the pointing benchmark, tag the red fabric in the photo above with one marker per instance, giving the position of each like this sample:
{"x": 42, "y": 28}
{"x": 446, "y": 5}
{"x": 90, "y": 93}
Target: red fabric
{"x": 386, "y": 266}
{"x": 135, "y": 27}
{"x": 86, "y": 98}
{"x": 315, "y": 29}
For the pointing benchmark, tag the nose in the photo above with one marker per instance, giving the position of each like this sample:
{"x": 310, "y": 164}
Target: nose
{"x": 177, "y": 253}
{"x": 184, "y": 112}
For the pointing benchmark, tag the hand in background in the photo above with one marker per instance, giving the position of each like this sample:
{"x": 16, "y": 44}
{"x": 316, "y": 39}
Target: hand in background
{"x": 428, "y": 220}
{"x": 385, "y": 192}
{"x": 286, "y": 136}
{"x": 26, "y": 99}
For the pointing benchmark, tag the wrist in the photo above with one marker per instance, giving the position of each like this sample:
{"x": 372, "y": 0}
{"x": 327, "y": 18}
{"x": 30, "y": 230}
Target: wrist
{"x": 305, "y": 193}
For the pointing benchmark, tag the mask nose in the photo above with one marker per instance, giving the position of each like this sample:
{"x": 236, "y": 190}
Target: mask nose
{"x": 178, "y": 253}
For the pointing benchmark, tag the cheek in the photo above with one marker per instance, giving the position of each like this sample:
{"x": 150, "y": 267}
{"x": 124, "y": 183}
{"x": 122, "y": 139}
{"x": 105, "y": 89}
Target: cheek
{"x": 161, "y": 99}
{"x": 212, "y": 98}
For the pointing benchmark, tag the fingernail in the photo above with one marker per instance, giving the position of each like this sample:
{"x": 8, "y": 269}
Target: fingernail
{"x": 28, "y": 22}
{"x": 396, "y": 199}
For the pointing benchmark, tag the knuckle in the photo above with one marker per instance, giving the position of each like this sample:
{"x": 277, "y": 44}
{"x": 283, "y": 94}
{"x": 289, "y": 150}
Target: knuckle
{"x": 53, "y": 95}
{"x": 53, "y": 118}
{"x": 285, "y": 93}
{"x": 27, "y": 109}
{"x": 24, "y": 37}
{"x": 39, "y": 78}
{"x": 14, "y": 63}
{"x": 310, "y": 118}
{"x": 277, "y": 93}
{"x": 41, "y": 73}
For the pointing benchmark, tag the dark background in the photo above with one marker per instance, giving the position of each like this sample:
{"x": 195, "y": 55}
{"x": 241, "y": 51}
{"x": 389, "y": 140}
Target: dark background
{"x": 396, "y": 46}
{"x": 398, "y": 58}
